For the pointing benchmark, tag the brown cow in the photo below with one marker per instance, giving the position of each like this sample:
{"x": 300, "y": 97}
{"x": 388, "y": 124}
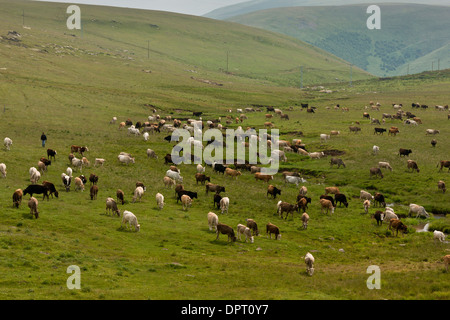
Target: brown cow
{"x": 375, "y": 171}
{"x": 393, "y": 131}
{"x": 264, "y": 177}
{"x": 444, "y": 164}
{"x": 413, "y": 165}
{"x": 397, "y": 225}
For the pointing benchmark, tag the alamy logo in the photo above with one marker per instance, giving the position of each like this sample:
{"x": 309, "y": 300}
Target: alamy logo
{"x": 374, "y": 281}
{"x": 74, "y": 281}
{"x": 219, "y": 148}
{"x": 74, "y": 21}
{"x": 374, "y": 21}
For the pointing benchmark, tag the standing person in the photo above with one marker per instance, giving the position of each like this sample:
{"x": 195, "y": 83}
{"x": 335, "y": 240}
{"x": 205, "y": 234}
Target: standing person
{"x": 44, "y": 139}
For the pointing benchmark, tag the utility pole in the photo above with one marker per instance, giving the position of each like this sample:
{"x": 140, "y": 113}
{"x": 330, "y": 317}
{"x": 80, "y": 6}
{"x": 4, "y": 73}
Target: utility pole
{"x": 351, "y": 74}
{"x": 301, "y": 77}
{"x": 148, "y": 49}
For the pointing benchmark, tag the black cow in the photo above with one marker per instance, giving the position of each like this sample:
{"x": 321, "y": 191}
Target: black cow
{"x": 379, "y": 130}
{"x": 36, "y": 189}
{"x": 51, "y": 154}
{"x": 217, "y": 198}
{"x": 168, "y": 159}
{"x": 191, "y": 194}
{"x": 404, "y": 152}
{"x": 197, "y": 114}
{"x": 379, "y": 199}
{"x": 341, "y": 198}
{"x": 219, "y": 168}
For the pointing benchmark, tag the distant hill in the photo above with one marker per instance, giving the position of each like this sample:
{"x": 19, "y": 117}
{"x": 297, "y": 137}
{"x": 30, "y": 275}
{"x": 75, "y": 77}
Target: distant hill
{"x": 413, "y": 37}
{"x": 256, "y": 5}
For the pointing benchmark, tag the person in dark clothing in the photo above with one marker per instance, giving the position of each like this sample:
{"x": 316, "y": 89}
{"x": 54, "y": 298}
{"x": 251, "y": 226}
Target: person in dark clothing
{"x": 44, "y": 139}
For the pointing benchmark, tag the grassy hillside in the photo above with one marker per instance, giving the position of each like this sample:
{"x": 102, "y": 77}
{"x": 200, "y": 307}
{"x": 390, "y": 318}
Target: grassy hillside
{"x": 342, "y": 30}
{"x": 257, "y": 5}
{"x": 71, "y": 87}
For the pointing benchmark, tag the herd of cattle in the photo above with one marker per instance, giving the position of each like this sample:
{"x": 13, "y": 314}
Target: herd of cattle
{"x": 173, "y": 178}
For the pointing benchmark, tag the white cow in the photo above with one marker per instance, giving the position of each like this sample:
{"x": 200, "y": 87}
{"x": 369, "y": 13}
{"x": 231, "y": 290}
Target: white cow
{"x": 130, "y": 218}
{"x": 174, "y": 175}
{"x": 3, "y": 169}
{"x": 8, "y": 143}
{"x": 419, "y": 210}
{"x": 125, "y": 159}
{"x": 309, "y": 261}
{"x": 160, "y": 201}
{"x": 224, "y": 204}
{"x": 213, "y": 220}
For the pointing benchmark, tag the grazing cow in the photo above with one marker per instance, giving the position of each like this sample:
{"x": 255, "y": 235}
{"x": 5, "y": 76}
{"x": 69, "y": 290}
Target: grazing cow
{"x": 66, "y": 179}
{"x": 286, "y": 207}
{"x": 77, "y": 163}
{"x": 389, "y": 215}
{"x": 232, "y": 173}
{"x": 7, "y": 143}
{"x": 111, "y": 205}
{"x": 354, "y": 129}
{"x": 316, "y": 155}
{"x": 33, "y": 204}
{"x": 341, "y": 198}
{"x": 293, "y": 180}
{"x": 51, "y": 154}
{"x": 337, "y": 161}
{"x": 216, "y": 200}
{"x": 253, "y": 226}
{"x": 93, "y": 191}
{"x": 202, "y": 178}
{"x": 51, "y": 188}
{"x": 438, "y": 236}
{"x": 384, "y": 165}
{"x": 393, "y": 131}
{"x": 441, "y": 186}
{"x": 404, "y": 152}
{"x": 263, "y": 177}
{"x": 433, "y": 143}
{"x": 302, "y": 202}
{"x": 138, "y": 193}
{"x": 79, "y": 184}
{"x": 213, "y": 220}
{"x": 375, "y": 171}
{"x": 444, "y": 164}
{"x": 241, "y": 229}
{"x": 186, "y": 201}
{"x": 305, "y": 219}
{"x": 419, "y": 210}
{"x": 224, "y": 204}
{"x": 151, "y": 154}
{"x": 125, "y": 159}
{"x": 120, "y": 196}
{"x": 446, "y": 261}
{"x": 93, "y": 179}
{"x": 174, "y": 175}
{"x": 303, "y": 191}
{"x": 17, "y": 197}
{"x": 379, "y": 199}
{"x": 214, "y": 188}
{"x": 324, "y": 137}
{"x": 325, "y": 196}
{"x": 99, "y": 161}
{"x": 326, "y": 205}
{"x": 130, "y": 219}
{"x": 413, "y": 166}
{"x": 378, "y": 216}
{"x": 224, "y": 229}
{"x": 331, "y": 190}
{"x": 3, "y": 170}
{"x": 364, "y": 195}
{"x": 309, "y": 261}
{"x": 273, "y": 191}
{"x": 273, "y": 229}
{"x": 191, "y": 194}
{"x": 375, "y": 149}
{"x": 398, "y": 225}
{"x": 36, "y": 189}
{"x": 168, "y": 182}
{"x": 379, "y": 131}
{"x": 432, "y": 131}
{"x": 78, "y": 149}
{"x": 218, "y": 167}
{"x": 366, "y": 205}
{"x": 159, "y": 201}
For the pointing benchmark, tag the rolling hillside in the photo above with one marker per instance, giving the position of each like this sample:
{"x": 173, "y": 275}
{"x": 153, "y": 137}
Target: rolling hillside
{"x": 412, "y": 36}
{"x": 257, "y": 5}
{"x": 133, "y": 64}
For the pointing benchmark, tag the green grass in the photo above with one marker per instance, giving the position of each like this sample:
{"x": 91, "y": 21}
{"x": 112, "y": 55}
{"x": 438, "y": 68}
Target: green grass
{"x": 72, "y": 97}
